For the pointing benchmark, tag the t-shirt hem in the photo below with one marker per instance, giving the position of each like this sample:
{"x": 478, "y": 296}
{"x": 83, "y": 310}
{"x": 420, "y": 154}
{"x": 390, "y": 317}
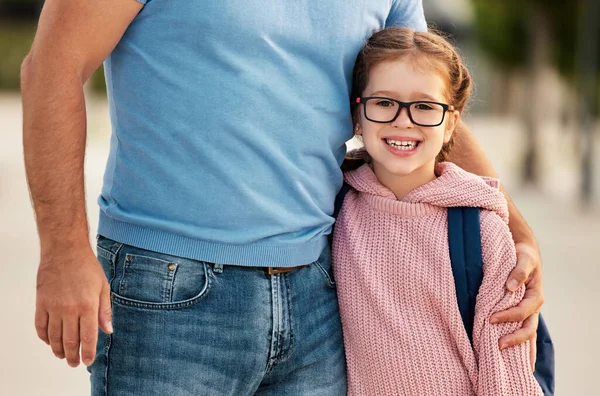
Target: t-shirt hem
{"x": 248, "y": 255}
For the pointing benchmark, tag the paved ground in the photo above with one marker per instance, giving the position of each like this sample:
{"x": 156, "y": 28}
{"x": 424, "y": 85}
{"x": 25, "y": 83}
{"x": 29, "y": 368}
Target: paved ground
{"x": 569, "y": 238}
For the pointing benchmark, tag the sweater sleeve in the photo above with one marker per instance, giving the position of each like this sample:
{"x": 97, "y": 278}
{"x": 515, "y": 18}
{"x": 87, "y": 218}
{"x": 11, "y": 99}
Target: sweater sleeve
{"x": 508, "y": 371}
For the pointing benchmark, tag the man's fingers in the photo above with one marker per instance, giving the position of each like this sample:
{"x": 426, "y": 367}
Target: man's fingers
{"x": 516, "y": 338}
{"x": 41, "y": 325}
{"x": 526, "y": 308}
{"x": 105, "y": 311}
{"x": 55, "y": 336}
{"x": 533, "y": 351}
{"x": 532, "y": 322}
{"x": 88, "y": 331}
{"x": 527, "y": 262}
{"x": 528, "y": 331}
{"x": 520, "y": 274}
{"x": 71, "y": 339}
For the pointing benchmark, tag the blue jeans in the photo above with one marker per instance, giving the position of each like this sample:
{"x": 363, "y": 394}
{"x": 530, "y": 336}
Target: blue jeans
{"x": 187, "y": 327}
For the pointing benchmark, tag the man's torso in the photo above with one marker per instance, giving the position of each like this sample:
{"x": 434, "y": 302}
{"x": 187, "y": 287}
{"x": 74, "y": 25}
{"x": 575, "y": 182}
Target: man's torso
{"x": 229, "y": 125}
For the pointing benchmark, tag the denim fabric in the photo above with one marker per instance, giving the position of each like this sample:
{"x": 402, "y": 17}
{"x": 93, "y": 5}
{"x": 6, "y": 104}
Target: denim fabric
{"x": 187, "y": 327}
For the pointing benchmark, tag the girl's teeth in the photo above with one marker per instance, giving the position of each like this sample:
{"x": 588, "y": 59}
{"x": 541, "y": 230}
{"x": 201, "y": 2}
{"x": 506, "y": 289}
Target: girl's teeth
{"x": 402, "y": 145}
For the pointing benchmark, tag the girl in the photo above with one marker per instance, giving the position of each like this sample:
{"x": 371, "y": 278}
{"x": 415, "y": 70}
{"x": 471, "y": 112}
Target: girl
{"x": 403, "y": 331}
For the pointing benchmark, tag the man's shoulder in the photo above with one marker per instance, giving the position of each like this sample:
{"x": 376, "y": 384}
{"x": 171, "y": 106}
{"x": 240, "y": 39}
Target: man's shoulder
{"x": 407, "y": 13}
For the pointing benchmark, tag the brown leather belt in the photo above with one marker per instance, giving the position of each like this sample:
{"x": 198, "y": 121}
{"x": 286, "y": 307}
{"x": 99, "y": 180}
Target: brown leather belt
{"x": 282, "y": 270}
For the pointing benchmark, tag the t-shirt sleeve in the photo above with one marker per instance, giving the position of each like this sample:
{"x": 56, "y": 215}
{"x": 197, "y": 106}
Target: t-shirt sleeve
{"x": 504, "y": 372}
{"x": 408, "y": 14}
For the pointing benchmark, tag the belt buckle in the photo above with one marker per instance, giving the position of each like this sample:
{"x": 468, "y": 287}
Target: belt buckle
{"x": 279, "y": 270}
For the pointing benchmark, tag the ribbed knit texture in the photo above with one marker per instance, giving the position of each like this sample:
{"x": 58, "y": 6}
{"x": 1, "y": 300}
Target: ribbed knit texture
{"x": 403, "y": 331}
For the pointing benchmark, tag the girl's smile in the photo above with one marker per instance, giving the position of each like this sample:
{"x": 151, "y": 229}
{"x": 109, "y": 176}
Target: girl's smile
{"x": 402, "y": 146}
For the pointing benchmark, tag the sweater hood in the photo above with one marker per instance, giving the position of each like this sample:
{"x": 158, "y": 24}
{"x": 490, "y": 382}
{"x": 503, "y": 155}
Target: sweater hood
{"x": 453, "y": 187}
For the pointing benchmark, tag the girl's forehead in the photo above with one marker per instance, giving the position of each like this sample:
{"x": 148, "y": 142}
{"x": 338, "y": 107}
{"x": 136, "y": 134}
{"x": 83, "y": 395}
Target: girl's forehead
{"x": 407, "y": 75}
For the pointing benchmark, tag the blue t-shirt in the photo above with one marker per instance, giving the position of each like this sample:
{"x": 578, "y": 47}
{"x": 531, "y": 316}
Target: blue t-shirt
{"x": 229, "y": 123}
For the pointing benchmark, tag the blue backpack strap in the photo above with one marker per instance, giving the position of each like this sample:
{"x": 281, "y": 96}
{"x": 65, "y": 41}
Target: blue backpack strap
{"x": 544, "y": 365}
{"x": 464, "y": 239}
{"x": 339, "y": 201}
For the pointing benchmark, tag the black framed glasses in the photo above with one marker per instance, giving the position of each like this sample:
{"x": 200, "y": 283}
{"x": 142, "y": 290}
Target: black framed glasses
{"x": 423, "y": 113}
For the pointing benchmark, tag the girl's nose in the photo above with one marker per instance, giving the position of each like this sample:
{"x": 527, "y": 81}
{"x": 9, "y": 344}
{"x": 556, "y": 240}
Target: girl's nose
{"x": 403, "y": 120}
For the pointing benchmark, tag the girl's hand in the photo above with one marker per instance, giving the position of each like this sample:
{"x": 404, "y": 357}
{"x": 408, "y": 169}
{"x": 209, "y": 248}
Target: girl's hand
{"x": 528, "y": 271}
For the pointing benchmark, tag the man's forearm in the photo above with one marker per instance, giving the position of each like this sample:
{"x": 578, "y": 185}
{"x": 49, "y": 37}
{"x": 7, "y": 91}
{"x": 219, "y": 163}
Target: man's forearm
{"x": 468, "y": 154}
{"x": 54, "y": 135}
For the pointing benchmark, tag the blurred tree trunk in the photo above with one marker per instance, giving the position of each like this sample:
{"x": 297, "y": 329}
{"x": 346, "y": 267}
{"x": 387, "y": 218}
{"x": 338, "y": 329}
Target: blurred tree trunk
{"x": 500, "y": 100}
{"x": 538, "y": 58}
{"x": 587, "y": 62}
{"x": 507, "y": 88}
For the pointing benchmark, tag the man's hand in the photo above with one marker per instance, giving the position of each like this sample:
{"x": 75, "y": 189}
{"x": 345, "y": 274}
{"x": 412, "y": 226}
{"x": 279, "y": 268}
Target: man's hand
{"x": 73, "y": 296}
{"x": 528, "y": 271}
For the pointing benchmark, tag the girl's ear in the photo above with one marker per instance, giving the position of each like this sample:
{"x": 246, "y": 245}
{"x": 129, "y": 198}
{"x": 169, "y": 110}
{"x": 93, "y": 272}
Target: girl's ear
{"x": 357, "y": 129}
{"x": 451, "y": 125}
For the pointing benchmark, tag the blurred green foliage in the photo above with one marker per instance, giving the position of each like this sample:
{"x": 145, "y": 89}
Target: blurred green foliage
{"x": 563, "y": 17}
{"x": 20, "y": 10}
{"x": 503, "y": 31}
{"x": 15, "y": 42}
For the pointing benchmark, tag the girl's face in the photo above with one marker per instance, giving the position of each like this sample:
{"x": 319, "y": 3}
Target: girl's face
{"x": 392, "y": 145}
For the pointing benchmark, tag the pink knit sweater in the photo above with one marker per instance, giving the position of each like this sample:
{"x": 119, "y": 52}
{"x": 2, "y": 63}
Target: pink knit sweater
{"x": 403, "y": 332}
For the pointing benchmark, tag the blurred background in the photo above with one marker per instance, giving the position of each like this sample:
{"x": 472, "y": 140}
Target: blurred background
{"x": 536, "y": 65}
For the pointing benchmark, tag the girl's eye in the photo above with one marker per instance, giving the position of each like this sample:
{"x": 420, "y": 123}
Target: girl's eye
{"x": 424, "y": 106}
{"x": 385, "y": 103}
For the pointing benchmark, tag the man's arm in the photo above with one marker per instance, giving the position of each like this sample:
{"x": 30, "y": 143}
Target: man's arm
{"x": 72, "y": 40}
{"x": 468, "y": 154}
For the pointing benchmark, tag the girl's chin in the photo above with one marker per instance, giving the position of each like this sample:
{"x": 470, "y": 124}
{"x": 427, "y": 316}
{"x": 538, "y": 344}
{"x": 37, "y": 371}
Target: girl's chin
{"x": 400, "y": 172}
{"x": 394, "y": 169}
{"x": 404, "y": 167}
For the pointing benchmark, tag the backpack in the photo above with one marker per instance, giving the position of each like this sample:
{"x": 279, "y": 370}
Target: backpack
{"x": 464, "y": 240}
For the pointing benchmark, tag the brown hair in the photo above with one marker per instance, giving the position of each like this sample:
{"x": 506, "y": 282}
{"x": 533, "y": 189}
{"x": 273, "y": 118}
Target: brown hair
{"x": 425, "y": 48}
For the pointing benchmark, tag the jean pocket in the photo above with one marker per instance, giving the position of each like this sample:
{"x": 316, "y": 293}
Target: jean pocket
{"x": 323, "y": 264}
{"x": 106, "y": 250}
{"x": 151, "y": 280}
